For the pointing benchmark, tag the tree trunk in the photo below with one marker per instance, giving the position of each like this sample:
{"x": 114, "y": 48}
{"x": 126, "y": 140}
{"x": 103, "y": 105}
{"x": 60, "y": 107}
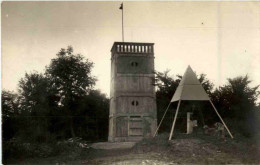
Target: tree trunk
{"x": 72, "y": 128}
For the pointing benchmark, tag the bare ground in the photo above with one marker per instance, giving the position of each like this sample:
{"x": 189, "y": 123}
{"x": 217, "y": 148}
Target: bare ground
{"x": 181, "y": 151}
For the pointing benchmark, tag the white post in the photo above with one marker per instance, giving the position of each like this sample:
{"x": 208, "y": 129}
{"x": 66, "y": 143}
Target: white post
{"x": 189, "y": 123}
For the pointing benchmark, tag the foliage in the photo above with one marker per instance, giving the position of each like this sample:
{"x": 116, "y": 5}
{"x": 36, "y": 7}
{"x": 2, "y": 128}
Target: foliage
{"x": 9, "y": 112}
{"x": 17, "y": 148}
{"x": 206, "y": 83}
{"x": 9, "y": 103}
{"x": 71, "y": 148}
{"x": 37, "y": 101}
{"x": 54, "y": 106}
{"x": 70, "y": 76}
{"x": 93, "y": 111}
{"x": 236, "y": 98}
{"x": 237, "y": 101}
{"x": 166, "y": 85}
{"x": 34, "y": 90}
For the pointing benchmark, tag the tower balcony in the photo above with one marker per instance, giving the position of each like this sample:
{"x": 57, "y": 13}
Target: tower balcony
{"x": 133, "y": 47}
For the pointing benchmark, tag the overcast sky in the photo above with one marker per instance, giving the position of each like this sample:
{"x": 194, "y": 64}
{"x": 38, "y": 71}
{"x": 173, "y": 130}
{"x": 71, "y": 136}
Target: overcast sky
{"x": 220, "y": 39}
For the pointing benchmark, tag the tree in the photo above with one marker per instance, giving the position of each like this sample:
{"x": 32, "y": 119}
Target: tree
{"x": 37, "y": 101}
{"x": 34, "y": 89}
{"x": 53, "y": 106}
{"x": 92, "y": 113}
{"x": 238, "y": 101}
{"x": 236, "y": 98}
{"x": 71, "y": 76}
{"x": 9, "y": 104}
{"x": 9, "y": 113}
{"x": 166, "y": 85}
{"x": 207, "y": 85}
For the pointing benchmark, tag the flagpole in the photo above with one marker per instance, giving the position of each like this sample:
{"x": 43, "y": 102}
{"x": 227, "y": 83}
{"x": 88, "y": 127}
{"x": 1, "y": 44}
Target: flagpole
{"x": 122, "y": 22}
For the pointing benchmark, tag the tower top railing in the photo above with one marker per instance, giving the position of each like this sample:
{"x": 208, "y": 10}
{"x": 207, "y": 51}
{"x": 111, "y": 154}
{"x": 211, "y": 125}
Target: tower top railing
{"x": 133, "y": 47}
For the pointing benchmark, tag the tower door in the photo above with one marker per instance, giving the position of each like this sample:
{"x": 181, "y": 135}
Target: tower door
{"x": 121, "y": 127}
{"x": 135, "y": 126}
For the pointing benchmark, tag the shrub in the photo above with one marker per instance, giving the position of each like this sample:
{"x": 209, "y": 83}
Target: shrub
{"x": 250, "y": 127}
{"x": 14, "y": 148}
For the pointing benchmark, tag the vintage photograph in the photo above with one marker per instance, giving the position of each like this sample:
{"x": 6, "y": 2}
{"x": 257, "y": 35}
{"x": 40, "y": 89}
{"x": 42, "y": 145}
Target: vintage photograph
{"x": 130, "y": 82}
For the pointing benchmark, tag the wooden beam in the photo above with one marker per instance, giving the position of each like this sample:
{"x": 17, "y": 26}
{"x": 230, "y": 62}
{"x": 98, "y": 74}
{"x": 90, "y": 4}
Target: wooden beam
{"x": 221, "y": 119}
{"x": 174, "y": 121}
{"x": 162, "y": 119}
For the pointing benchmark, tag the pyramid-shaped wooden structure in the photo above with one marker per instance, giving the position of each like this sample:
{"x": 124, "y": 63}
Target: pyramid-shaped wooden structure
{"x": 190, "y": 88}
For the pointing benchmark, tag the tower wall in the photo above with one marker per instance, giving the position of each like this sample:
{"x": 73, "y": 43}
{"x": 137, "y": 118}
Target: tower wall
{"x": 132, "y": 93}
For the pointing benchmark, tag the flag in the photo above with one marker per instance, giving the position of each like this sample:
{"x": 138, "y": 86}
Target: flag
{"x": 121, "y": 6}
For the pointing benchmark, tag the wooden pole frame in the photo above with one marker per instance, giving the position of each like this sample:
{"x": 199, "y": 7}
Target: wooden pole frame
{"x": 162, "y": 120}
{"x": 174, "y": 121}
{"x": 175, "y": 118}
{"x": 221, "y": 119}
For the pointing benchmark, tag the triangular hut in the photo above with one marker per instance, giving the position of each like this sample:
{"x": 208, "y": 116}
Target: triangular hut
{"x": 189, "y": 89}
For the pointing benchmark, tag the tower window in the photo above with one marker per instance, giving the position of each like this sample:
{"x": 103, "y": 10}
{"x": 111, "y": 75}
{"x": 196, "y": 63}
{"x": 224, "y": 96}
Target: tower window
{"x": 135, "y": 103}
{"x": 134, "y": 64}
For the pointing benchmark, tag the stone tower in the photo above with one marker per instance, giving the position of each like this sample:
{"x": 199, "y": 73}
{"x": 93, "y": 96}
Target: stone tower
{"x": 132, "y": 93}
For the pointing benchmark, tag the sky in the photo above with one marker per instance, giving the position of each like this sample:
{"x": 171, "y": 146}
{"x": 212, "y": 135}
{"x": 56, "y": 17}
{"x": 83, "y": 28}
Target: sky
{"x": 219, "y": 39}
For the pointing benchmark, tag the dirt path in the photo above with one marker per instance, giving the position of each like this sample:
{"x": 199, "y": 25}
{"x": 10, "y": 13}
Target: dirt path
{"x": 160, "y": 159}
{"x": 183, "y": 151}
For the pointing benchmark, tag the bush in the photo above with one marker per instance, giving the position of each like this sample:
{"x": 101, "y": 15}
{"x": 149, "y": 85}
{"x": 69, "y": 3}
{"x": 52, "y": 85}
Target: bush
{"x": 15, "y": 148}
{"x": 250, "y": 127}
